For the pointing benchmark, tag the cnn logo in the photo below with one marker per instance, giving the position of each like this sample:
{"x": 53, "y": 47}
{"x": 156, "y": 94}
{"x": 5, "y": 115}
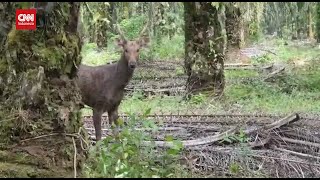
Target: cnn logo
{"x": 26, "y": 19}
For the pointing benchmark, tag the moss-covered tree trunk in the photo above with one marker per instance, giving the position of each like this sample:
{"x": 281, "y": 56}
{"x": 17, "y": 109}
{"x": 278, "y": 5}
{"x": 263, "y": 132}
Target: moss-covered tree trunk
{"x": 101, "y": 34}
{"x": 205, "y": 44}
{"x": 81, "y": 29}
{"x": 299, "y": 20}
{"x": 39, "y": 100}
{"x": 102, "y": 24}
{"x": 318, "y": 21}
{"x": 310, "y": 22}
{"x": 159, "y": 20}
{"x": 129, "y": 9}
{"x": 150, "y": 14}
{"x": 233, "y": 29}
{"x": 112, "y": 12}
{"x": 139, "y": 8}
{"x": 233, "y": 25}
{"x": 88, "y": 18}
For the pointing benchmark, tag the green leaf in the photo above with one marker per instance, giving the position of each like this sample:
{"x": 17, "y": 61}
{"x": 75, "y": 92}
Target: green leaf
{"x": 173, "y": 151}
{"x": 154, "y": 169}
{"x": 25, "y": 5}
{"x": 227, "y": 139}
{"x": 147, "y": 112}
{"x": 234, "y": 168}
{"x": 120, "y": 122}
{"x": 96, "y": 16}
{"x": 215, "y": 4}
{"x": 177, "y": 144}
{"x": 106, "y": 20}
{"x": 125, "y": 155}
{"x": 104, "y": 169}
{"x": 104, "y": 156}
{"x": 169, "y": 138}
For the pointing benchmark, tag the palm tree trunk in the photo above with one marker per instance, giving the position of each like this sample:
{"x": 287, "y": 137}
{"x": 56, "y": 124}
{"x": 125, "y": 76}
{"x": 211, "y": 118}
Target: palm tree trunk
{"x": 205, "y": 44}
{"x": 40, "y": 102}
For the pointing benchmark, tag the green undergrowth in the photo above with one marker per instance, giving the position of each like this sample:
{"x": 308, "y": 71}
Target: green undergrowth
{"x": 127, "y": 156}
{"x": 94, "y": 57}
{"x": 240, "y": 73}
{"x": 292, "y": 51}
{"x": 297, "y": 91}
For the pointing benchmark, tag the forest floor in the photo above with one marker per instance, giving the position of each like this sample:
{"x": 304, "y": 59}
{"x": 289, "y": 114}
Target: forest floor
{"x": 249, "y": 101}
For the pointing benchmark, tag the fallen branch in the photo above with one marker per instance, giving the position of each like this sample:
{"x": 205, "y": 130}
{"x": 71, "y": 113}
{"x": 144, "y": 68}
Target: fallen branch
{"x": 253, "y": 154}
{"x": 178, "y": 77}
{"x": 148, "y": 129}
{"x": 283, "y": 159}
{"x": 240, "y": 68}
{"x": 285, "y": 121}
{"x": 296, "y": 153}
{"x": 154, "y": 91}
{"x": 302, "y": 136}
{"x": 267, "y": 67}
{"x": 259, "y": 143}
{"x": 78, "y": 135}
{"x": 74, "y": 158}
{"x": 82, "y": 140}
{"x": 205, "y": 128}
{"x": 195, "y": 142}
{"x": 237, "y": 65}
{"x": 269, "y": 51}
{"x": 39, "y": 137}
{"x": 269, "y": 127}
{"x": 274, "y": 73}
{"x": 295, "y": 141}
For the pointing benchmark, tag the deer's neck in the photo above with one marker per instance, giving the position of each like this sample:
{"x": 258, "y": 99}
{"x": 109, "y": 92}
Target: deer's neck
{"x": 124, "y": 73}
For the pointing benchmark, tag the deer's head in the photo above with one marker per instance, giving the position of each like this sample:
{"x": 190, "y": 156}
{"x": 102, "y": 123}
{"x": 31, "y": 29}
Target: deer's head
{"x": 132, "y": 48}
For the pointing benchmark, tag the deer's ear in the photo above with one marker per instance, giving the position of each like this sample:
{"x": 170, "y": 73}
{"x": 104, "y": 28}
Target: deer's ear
{"x": 144, "y": 41}
{"x": 120, "y": 42}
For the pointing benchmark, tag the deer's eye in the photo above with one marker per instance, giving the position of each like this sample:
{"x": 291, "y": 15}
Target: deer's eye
{"x": 137, "y": 50}
{"x": 126, "y": 51}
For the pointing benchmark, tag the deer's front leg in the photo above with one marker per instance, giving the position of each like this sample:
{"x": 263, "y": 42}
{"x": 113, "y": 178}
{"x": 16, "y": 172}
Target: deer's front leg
{"x": 97, "y": 123}
{"x": 113, "y": 118}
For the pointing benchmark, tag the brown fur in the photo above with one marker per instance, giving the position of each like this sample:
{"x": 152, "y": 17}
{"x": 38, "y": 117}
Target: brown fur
{"x": 102, "y": 87}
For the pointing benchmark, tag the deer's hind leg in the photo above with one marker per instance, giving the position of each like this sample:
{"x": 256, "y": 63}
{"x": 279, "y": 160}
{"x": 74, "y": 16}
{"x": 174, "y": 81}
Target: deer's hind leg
{"x": 97, "y": 123}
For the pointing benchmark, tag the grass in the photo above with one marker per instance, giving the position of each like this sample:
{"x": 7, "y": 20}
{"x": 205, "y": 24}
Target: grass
{"x": 169, "y": 49}
{"x": 270, "y": 99}
{"x": 287, "y": 52}
{"x": 240, "y": 73}
{"x": 92, "y": 56}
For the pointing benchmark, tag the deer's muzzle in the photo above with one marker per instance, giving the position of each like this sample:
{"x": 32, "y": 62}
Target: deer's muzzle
{"x": 132, "y": 65}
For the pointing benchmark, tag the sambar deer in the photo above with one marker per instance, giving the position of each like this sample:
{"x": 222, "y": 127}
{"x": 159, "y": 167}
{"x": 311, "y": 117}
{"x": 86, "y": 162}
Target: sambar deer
{"x": 102, "y": 87}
